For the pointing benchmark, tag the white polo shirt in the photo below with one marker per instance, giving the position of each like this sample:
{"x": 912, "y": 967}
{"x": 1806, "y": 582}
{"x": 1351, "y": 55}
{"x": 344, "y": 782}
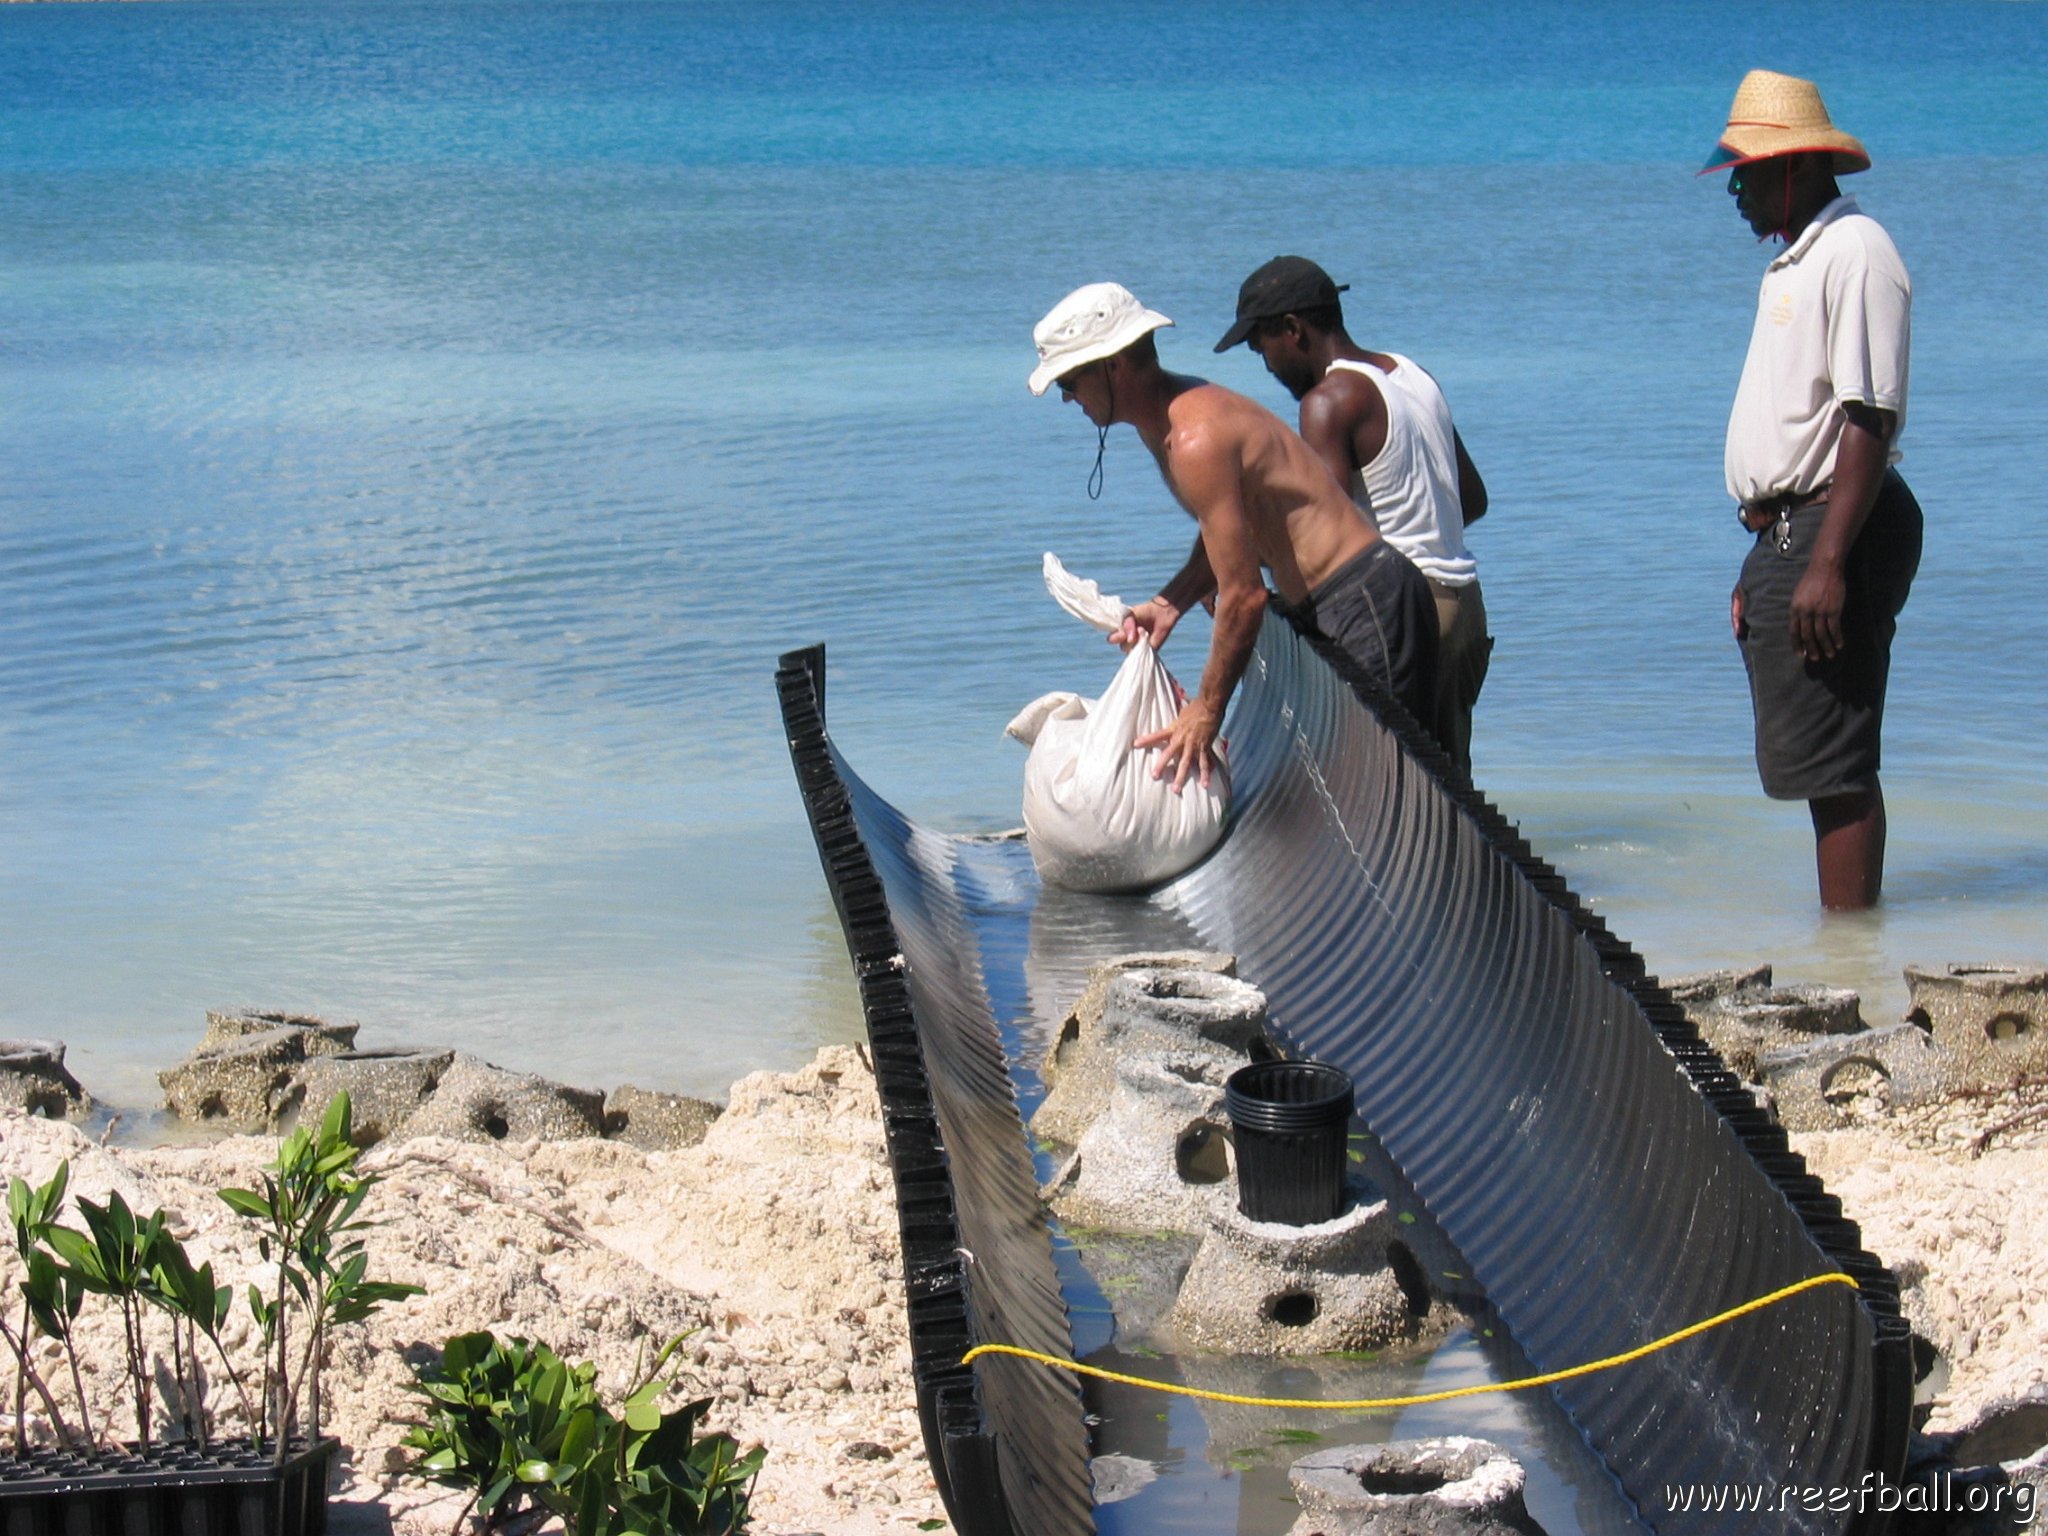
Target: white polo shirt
{"x": 1833, "y": 325}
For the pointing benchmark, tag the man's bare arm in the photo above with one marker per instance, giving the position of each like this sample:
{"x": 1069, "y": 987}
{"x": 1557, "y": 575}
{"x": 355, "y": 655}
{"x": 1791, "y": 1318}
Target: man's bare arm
{"x": 1329, "y": 423}
{"x": 1860, "y": 462}
{"x": 1208, "y": 478}
{"x": 1193, "y": 583}
{"x": 1471, "y": 489}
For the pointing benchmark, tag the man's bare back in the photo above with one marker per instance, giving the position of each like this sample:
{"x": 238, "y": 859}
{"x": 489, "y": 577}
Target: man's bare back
{"x": 1302, "y": 525}
{"x": 1261, "y": 498}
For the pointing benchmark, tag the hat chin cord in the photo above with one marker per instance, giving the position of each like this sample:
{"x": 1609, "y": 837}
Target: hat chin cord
{"x": 1101, "y": 438}
{"x": 1782, "y": 234}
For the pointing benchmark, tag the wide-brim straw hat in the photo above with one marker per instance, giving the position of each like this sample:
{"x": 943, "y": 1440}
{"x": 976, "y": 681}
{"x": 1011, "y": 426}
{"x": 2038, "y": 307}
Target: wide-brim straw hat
{"x": 1776, "y": 114}
{"x": 1086, "y": 326}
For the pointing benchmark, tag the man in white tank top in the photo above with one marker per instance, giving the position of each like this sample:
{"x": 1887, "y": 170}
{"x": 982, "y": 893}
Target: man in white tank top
{"x": 1382, "y": 425}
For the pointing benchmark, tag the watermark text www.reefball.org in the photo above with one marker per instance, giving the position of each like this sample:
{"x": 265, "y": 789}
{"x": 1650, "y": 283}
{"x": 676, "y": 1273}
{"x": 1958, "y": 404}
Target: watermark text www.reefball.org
{"x": 1942, "y": 1494}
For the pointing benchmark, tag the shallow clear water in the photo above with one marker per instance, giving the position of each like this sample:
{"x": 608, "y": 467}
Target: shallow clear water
{"x": 423, "y": 425}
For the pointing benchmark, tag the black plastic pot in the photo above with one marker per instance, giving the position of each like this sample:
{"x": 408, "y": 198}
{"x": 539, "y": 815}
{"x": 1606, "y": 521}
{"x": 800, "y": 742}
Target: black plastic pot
{"x": 1289, "y": 1121}
{"x": 229, "y": 1489}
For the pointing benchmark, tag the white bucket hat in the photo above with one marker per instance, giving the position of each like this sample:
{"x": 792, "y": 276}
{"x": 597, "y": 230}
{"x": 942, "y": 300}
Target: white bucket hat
{"x": 1086, "y": 326}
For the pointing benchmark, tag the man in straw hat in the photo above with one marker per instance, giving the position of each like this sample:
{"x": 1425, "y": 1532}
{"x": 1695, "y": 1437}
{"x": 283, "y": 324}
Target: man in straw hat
{"x": 1383, "y": 427}
{"x": 1260, "y": 497}
{"x": 1811, "y": 442}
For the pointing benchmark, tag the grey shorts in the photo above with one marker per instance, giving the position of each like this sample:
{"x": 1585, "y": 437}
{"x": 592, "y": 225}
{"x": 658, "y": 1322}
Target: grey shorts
{"x": 1818, "y": 722}
{"x": 1379, "y": 611}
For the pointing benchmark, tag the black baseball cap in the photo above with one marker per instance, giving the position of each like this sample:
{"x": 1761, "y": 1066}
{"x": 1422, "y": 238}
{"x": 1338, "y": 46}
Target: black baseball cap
{"x": 1286, "y": 285}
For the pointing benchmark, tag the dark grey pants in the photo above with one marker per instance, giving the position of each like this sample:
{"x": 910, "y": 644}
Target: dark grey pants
{"x": 1818, "y": 723}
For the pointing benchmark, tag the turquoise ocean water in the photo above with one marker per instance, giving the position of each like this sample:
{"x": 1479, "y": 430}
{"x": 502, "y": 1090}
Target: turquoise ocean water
{"x": 422, "y": 426}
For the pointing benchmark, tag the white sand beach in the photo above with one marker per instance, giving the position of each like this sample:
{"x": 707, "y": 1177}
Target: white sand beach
{"x": 775, "y": 1238}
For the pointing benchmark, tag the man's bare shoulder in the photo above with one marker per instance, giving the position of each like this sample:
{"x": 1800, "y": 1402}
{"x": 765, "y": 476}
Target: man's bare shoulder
{"x": 1342, "y": 399}
{"x": 1209, "y": 415}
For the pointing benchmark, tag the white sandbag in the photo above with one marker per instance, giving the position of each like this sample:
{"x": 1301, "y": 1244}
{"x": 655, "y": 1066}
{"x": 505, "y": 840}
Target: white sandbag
{"x": 1095, "y": 817}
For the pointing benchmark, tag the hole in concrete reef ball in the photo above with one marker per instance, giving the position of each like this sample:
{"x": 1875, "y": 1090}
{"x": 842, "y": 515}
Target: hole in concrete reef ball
{"x": 1919, "y": 1019}
{"x": 1202, "y": 1155}
{"x": 211, "y": 1108}
{"x": 1407, "y": 1270}
{"x": 1292, "y": 1309}
{"x": 2006, "y": 1026}
{"x": 1859, "y": 1089}
{"x": 495, "y": 1126}
{"x": 1069, "y": 1033}
{"x": 1399, "y": 1481}
{"x": 1260, "y": 1048}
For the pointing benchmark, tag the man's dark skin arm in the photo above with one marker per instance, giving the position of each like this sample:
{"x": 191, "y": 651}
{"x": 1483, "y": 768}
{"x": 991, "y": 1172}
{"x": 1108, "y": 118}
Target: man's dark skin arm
{"x": 1471, "y": 489}
{"x": 1860, "y": 461}
{"x": 1345, "y": 421}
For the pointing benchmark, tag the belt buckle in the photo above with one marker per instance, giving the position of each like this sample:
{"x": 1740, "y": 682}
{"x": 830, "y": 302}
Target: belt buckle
{"x": 1782, "y": 534}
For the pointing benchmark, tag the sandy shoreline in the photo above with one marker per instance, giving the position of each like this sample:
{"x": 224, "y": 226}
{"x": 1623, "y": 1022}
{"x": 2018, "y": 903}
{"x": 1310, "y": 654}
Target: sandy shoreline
{"x": 775, "y": 1238}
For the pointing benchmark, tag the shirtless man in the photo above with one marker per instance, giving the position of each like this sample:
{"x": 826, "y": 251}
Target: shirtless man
{"x": 1261, "y": 497}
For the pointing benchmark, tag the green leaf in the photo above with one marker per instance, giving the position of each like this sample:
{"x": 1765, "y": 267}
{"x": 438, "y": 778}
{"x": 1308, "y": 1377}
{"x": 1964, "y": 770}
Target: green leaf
{"x": 646, "y": 1392}
{"x": 535, "y": 1471}
{"x": 643, "y": 1417}
{"x": 580, "y": 1435}
{"x": 245, "y": 1203}
{"x": 931, "y": 1525}
{"x": 1297, "y": 1436}
{"x": 462, "y": 1352}
{"x": 331, "y": 1169}
{"x": 334, "y": 1126}
{"x": 75, "y": 1249}
{"x": 121, "y": 1218}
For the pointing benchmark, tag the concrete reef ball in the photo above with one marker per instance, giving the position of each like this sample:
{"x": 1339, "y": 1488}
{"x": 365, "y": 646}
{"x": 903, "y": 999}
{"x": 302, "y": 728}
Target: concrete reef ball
{"x": 1452, "y": 1486}
{"x": 33, "y": 1079}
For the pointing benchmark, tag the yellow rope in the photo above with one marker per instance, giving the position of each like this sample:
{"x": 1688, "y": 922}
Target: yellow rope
{"x": 1363, "y": 1403}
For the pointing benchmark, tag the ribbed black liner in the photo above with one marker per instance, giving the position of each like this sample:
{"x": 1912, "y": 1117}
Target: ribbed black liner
{"x": 1605, "y": 1176}
{"x": 229, "y": 1489}
{"x": 1006, "y": 1439}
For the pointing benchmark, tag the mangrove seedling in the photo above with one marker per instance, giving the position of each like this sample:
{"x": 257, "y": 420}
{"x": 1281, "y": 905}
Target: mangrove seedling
{"x": 308, "y": 1213}
{"x": 49, "y": 1302}
{"x": 115, "y": 1257}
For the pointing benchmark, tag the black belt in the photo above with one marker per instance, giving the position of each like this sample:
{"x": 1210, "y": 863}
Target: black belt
{"x": 1758, "y": 515}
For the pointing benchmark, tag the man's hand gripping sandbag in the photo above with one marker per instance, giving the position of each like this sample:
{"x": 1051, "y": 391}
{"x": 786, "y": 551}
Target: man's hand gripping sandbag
{"x": 1097, "y": 818}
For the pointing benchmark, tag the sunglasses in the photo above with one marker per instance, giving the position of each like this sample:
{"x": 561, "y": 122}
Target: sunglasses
{"x": 1068, "y": 381}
